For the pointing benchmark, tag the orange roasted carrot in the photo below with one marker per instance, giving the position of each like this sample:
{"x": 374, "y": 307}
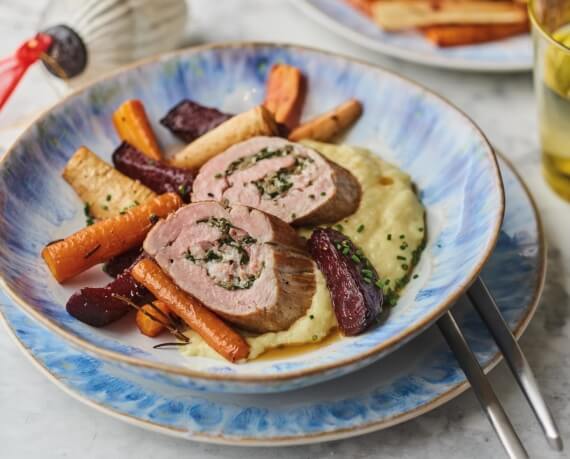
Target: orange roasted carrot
{"x": 147, "y": 316}
{"x": 364, "y": 6}
{"x": 107, "y": 238}
{"x": 469, "y": 34}
{"x": 285, "y": 94}
{"x": 132, "y": 125}
{"x": 208, "y": 325}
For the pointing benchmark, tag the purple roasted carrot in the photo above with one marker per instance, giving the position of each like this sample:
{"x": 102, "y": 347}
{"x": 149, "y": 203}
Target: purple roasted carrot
{"x": 116, "y": 265}
{"x": 351, "y": 280}
{"x": 189, "y": 120}
{"x": 159, "y": 177}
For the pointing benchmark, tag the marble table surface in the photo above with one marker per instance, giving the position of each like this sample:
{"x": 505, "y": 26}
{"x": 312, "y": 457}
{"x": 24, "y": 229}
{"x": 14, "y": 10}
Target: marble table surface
{"x": 37, "y": 418}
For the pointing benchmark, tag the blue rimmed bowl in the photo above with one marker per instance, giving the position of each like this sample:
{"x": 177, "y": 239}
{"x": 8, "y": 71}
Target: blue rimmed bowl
{"x": 449, "y": 159}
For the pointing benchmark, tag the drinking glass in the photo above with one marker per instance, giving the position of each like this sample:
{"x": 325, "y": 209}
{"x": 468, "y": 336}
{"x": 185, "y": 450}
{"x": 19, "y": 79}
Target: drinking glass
{"x": 551, "y": 39}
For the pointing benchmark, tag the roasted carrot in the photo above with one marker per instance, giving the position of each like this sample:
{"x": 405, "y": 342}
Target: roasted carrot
{"x": 254, "y": 122}
{"x": 150, "y": 321}
{"x": 326, "y": 126}
{"x": 208, "y": 325}
{"x": 469, "y": 34}
{"x": 364, "y": 6}
{"x": 100, "y": 186}
{"x": 132, "y": 125}
{"x": 107, "y": 238}
{"x": 285, "y": 94}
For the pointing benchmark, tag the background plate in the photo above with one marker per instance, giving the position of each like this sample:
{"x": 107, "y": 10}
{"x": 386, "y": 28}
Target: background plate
{"x": 418, "y": 377}
{"x": 512, "y": 54}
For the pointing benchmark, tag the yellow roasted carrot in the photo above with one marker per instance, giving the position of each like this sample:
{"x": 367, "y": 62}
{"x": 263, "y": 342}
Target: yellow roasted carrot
{"x": 102, "y": 187}
{"x": 217, "y": 334}
{"x": 256, "y": 121}
{"x": 328, "y": 125}
{"x": 131, "y": 123}
{"x": 150, "y": 321}
{"x": 395, "y": 15}
{"x": 285, "y": 94}
{"x": 107, "y": 238}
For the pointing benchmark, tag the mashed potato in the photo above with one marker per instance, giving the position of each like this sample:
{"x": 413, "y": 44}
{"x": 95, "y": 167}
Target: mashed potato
{"x": 388, "y": 226}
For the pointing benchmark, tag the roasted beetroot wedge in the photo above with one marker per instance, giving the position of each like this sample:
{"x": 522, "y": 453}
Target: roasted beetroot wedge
{"x": 189, "y": 120}
{"x": 351, "y": 280}
{"x": 98, "y": 306}
{"x": 159, "y": 177}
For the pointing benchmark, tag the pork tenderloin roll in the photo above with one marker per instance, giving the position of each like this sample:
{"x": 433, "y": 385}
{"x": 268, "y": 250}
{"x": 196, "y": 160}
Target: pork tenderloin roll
{"x": 248, "y": 266}
{"x": 282, "y": 178}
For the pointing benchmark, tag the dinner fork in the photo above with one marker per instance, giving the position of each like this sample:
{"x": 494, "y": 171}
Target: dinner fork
{"x": 487, "y": 308}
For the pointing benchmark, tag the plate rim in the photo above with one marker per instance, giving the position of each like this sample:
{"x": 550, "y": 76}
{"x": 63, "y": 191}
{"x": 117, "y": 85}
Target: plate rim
{"x": 463, "y": 65}
{"x": 339, "y": 434}
{"x": 385, "y": 346}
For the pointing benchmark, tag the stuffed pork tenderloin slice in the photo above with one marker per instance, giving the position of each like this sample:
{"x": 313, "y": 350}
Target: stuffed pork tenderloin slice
{"x": 282, "y": 178}
{"x": 249, "y": 267}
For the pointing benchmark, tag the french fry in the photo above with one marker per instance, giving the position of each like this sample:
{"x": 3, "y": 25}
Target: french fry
{"x": 285, "y": 94}
{"x": 458, "y": 35}
{"x": 131, "y": 123}
{"x": 102, "y": 187}
{"x": 406, "y": 14}
{"x": 328, "y": 125}
{"x": 208, "y": 325}
{"x": 107, "y": 238}
{"x": 254, "y": 122}
{"x": 145, "y": 322}
{"x": 364, "y": 6}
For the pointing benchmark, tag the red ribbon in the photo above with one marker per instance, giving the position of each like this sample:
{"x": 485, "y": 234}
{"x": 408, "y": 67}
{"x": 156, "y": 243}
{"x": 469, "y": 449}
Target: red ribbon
{"x": 13, "y": 68}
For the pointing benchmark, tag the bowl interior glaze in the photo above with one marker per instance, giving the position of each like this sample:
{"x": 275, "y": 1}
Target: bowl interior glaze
{"x": 449, "y": 159}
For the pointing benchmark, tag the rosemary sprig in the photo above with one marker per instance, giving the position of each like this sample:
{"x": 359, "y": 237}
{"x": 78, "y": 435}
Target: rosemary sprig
{"x": 169, "y": 324}
{"x": 161, "y": 345}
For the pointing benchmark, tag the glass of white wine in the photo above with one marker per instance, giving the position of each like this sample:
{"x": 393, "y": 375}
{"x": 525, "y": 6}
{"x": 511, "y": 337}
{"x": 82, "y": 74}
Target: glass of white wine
{"x": 551, "y": 38}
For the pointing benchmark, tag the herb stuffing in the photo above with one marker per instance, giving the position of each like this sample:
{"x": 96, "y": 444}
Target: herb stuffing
{"x": 231, "y": 247}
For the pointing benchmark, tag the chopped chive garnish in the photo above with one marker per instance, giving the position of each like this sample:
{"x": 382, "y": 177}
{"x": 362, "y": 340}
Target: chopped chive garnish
{"x": 400, "y": 257}
{"x": 405, "y": 267}
{"x": 218, "y": 175}
{"x": 338, "y": 227}
{"x": 105, "y": 207}
{"x": 312, "y": 196}
{"x": 355, "y": 258}
{"x": 420, "y": 229}
{"x": 311, "y": 317}
{"x": 415, "y": 276}
{"x": 367, "y": 280}
{"x": 402, "y": 236}
{"x": 338, "y": 246}
{"x": 323, "y": 193}
{"x": 108, "y": 198}
{"x": 360, "y": 229}
{"x": 345, "y": 251}
{"x": 389, "y": 237}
